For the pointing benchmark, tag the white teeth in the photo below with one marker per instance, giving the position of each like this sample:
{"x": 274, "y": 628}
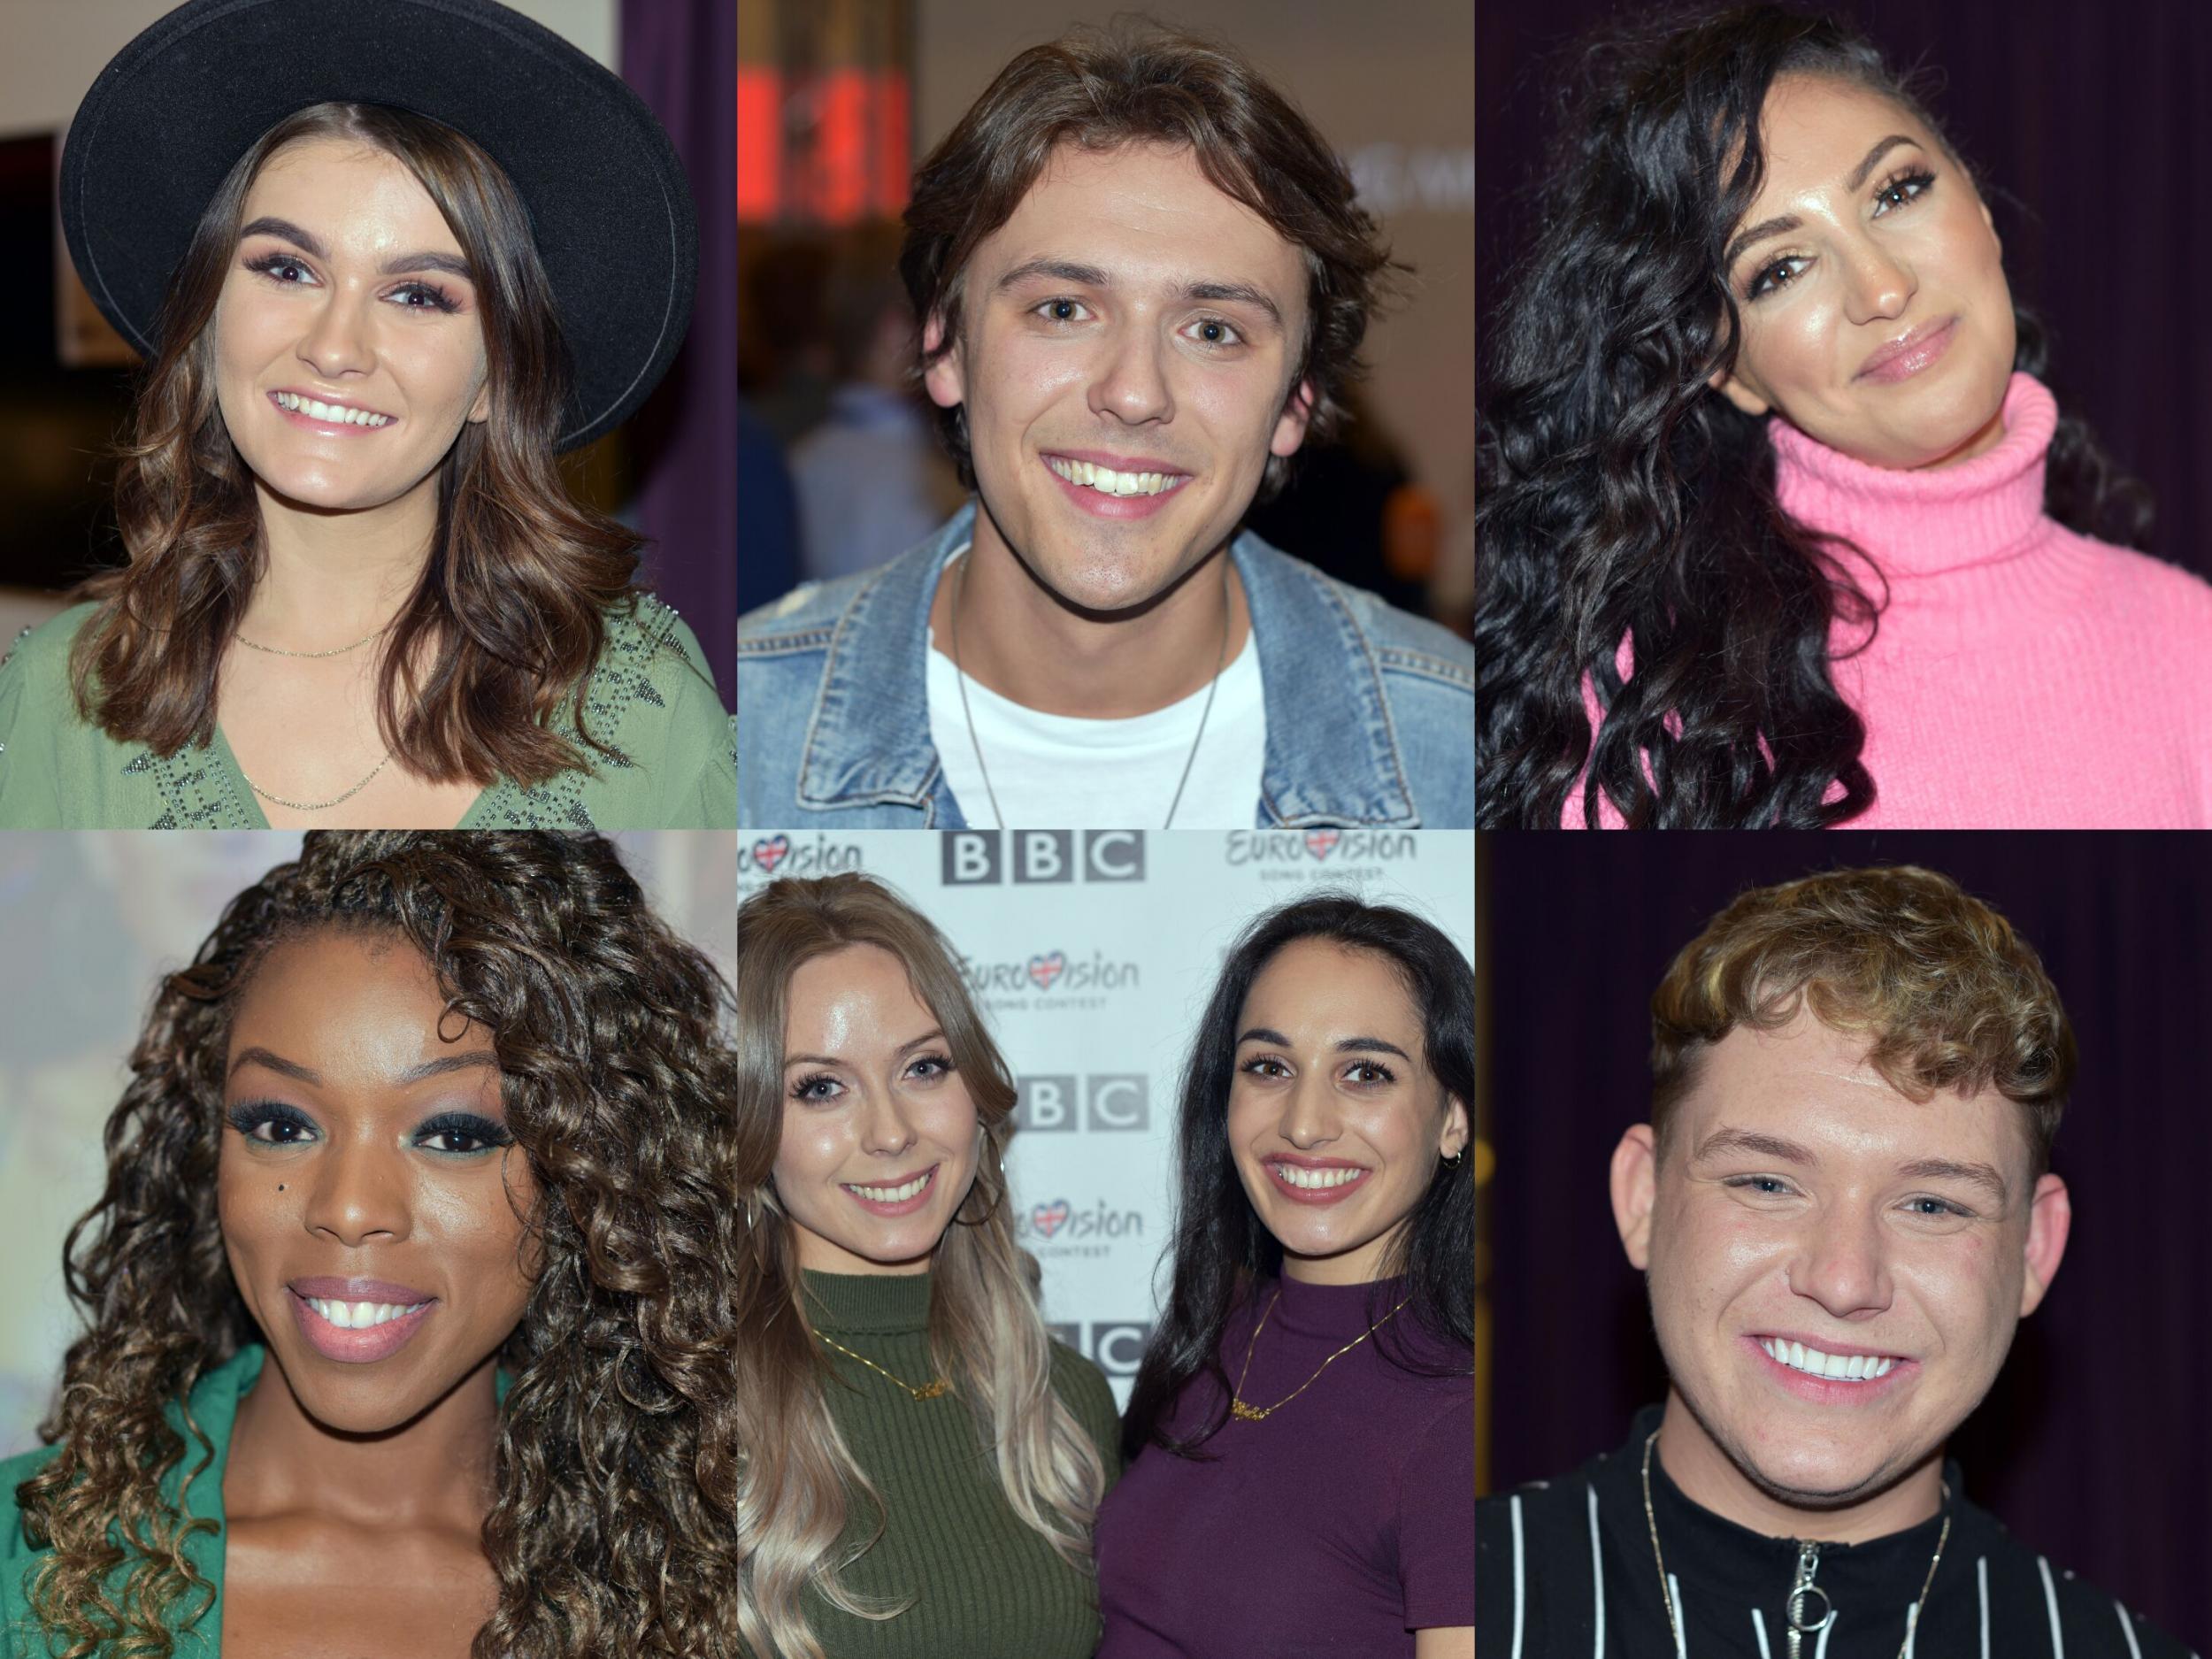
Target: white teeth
{"x": 356, "y": 1316}
{"x": 892, "y": 1194}
{"x": 340, "y": 412}
{"x": 1108, "y": 481}
{"x": 1839, "y": 1367}
{"x": 1315, "y": 1179}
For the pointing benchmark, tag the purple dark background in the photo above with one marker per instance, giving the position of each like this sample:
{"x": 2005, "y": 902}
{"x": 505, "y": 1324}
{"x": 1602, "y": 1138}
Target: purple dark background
{"x": 2082, "y": 113}
{"x": 681, "y": 57}
{"x": 2093, "y": 1447}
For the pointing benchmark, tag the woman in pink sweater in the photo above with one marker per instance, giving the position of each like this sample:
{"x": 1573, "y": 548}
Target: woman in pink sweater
{"x": 1781, "y": 523}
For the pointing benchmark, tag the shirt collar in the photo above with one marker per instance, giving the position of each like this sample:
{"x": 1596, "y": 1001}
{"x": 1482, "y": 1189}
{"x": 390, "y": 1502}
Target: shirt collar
{"x": 1332, "y": 749}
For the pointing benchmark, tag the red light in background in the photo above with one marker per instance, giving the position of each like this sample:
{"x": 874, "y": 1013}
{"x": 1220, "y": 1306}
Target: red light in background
{"x": 855, "y": 165}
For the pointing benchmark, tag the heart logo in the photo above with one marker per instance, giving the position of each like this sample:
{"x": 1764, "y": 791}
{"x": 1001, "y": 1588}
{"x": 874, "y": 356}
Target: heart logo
{"x": 1320, "y": 842}
{"x": 1049, "y": 1218}
{"x": 1044, "y": 970}
{"x": 769, "y": 853}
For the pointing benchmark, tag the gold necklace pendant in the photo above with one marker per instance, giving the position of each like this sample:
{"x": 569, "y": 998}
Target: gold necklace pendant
{"x": 927, "y": 1391}
{"x": 1260, "y": 1414}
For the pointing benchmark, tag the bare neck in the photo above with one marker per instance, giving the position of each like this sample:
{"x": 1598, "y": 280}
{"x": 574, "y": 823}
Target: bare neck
{"x": 329, "y": 578}
{"x": 437, "y": 1469}
{"x": 1709, "y": 1478}
{"x": 1022, "y": 641}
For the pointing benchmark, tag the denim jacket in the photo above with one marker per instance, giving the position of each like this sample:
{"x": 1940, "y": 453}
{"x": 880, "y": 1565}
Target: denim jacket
{"x": 1370, "y": 711}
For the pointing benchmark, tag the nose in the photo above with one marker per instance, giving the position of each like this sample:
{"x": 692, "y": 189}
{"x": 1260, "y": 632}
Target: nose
{"x": 884, "y": 1125}
{"x": 1132, "y": 380}
{"x": 354, "y": 1193}
{"x": 1842, "y": 1264}
{"x": 1881, "y": 286}
{"x": 1310, "y": 1118}
{"x": 337, "y": 342}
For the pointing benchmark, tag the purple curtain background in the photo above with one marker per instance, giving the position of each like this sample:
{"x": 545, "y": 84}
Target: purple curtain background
{"x": 680, "y": 56}
{"x": 2093, "y": 1446}
{"x": 2085, "y": 113}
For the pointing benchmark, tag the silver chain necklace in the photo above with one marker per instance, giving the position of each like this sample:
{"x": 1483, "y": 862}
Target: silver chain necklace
{"x": 318, "y": 806}
{"x": 960, "y": 589}
{"x": 1807, "y": 1564}
{"x": 278, "y": 650}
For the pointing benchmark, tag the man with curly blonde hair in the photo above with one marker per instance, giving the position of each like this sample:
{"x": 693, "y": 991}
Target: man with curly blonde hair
{"x": 1843, "y": 1206}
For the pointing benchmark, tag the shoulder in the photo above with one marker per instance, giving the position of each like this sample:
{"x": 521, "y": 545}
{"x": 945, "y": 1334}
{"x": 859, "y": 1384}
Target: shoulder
{"x": 1404, "y": 646}
{"x": 2043, "y": 1595}
{"x": 650, "y": 657}
{"x": 803, "y": 619}
{"x": 41, "y": 655}
{"x": 2140, "y": 585}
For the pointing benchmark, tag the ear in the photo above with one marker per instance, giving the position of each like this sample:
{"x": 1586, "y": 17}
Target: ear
{"x": 2050, "y": 1218}
{"x": 1290, "y": 426}
{"x": 946, "y": 376}
{"x": 1737, "y": 393}
{"x": 1457, "y": 1134}
{"x": 1635, "y": 1182}
{"x": 481, "y": 409}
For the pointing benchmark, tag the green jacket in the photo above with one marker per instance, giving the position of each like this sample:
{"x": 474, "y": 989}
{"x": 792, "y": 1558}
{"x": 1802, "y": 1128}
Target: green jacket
{"x": 650, "y": 698}
{"x": 215, "y": 1408}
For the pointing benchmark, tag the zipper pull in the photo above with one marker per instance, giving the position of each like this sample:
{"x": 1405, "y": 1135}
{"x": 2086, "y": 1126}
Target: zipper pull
{"x": 1799, "y": 1607}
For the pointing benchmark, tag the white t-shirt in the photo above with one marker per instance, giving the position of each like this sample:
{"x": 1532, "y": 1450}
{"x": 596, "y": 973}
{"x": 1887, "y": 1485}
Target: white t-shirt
{"x": 1062, "y": 772}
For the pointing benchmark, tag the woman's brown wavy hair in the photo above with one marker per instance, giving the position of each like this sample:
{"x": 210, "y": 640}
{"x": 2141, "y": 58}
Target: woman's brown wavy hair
{"x": 612, "y": 1529}
{"x": 507, "y": 617}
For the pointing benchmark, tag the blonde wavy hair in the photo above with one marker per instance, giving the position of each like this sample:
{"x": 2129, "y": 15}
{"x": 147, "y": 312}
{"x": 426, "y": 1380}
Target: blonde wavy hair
{"x": 796, "y": 1478}
{"x": 1946, "y": 994}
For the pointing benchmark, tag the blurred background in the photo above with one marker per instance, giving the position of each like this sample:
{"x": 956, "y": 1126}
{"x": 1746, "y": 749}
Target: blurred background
{"x": 2090, "y": 1448}
{"x": 92, "y": 919}
{"x": 66, "y": 376}
{"x": 837, "y": 100}
{"x": 2063, "y": 107}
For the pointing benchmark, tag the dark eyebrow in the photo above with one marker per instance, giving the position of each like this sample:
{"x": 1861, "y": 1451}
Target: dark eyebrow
{"x": 1727, "y": 1139}
{"x": 276, "y": 1063}
{"x": 1767, "y": 227}
{"x": 1975, "y": 1174}
{"x": 1091, "y": 276}
{"x": 452, "y": 264}
{"x": 300, "y": 1074}
{"x": 451, "y": 1063}
{"x": 908, "y": 1047}
{"x": 1349, "y": 1045}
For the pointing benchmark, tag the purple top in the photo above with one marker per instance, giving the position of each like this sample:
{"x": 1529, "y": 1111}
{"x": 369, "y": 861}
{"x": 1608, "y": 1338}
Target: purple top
{"x": 1339, "y": 1526}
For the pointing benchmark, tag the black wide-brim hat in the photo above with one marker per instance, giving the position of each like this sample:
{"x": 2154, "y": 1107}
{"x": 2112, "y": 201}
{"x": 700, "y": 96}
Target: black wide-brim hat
{"x": 609, "y": 204}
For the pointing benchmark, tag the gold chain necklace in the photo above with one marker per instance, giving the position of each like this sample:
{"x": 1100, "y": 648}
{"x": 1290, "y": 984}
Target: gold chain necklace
{"x": 278, "y": 650}
{"x": 318, "y": 806}
{"x": 1795, "y": 1605}
{"x": 928, "y": 1391}
{"x": 1255, "y": 1414}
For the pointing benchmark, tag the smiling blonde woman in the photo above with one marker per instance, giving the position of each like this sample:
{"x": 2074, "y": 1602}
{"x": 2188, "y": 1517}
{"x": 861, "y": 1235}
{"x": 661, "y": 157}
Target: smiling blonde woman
{"x": 920, "y": 1463}
{"x": 376, "y": 296}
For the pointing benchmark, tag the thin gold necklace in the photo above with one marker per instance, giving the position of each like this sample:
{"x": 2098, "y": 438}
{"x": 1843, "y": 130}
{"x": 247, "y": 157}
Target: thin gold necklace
{"x": 278, "y": 650}
{"x": 1257, "y": 1413}
{"x": 1795, "y": 1605}
{"x": 928, "y": 1391}
{"x": 317, "y": 806}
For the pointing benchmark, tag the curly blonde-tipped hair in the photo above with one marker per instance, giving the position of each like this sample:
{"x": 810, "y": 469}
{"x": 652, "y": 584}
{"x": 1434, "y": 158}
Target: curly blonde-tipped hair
{"x": 1946, "y": 993}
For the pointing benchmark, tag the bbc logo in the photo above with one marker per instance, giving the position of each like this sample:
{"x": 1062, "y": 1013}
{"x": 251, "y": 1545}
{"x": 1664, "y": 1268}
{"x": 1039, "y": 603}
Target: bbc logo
{"x": 1115, "y": 1346}
{"x": 1104, "y": 1101}
{"x": 979, "y": 857}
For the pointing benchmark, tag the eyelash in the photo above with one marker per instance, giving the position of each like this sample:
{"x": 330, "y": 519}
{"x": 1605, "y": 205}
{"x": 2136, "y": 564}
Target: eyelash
{"x": 943, "y": 1063}
{"x": 1761, "y": 286}
{"x": 1388, "y": 1076}
{"x": 269, "y": 263}
{"x": 248, "y": 1116}
{"x": 1751, "y": 1181}
{"x": 1202, "y": 322}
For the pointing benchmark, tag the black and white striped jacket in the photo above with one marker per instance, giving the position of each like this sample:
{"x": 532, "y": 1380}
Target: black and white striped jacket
{"x": 1564, "y": 1569}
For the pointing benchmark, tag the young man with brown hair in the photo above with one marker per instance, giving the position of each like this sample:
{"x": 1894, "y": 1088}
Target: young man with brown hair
{"x": 1143, "y": 279}
{"x": 1843, "y": 1208}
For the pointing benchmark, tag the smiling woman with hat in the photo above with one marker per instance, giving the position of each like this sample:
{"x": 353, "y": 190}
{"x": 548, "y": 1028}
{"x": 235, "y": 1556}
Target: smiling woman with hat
{"x": 385, "y": 259}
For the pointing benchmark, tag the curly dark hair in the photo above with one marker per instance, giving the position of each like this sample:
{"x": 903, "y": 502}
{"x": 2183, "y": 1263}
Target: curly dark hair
{"x": 1620, "y": 496}
{"x": 613, "y": 1521}
{"x": 1141, "y": 84}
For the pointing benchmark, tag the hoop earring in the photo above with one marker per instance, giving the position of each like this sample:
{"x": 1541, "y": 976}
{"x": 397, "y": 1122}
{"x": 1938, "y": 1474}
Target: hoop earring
{"x": 1454, "y": 1161}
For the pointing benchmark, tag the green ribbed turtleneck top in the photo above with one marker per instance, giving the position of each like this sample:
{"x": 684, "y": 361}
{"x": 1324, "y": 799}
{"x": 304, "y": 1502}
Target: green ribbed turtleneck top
{"x": 988, "y": 1586}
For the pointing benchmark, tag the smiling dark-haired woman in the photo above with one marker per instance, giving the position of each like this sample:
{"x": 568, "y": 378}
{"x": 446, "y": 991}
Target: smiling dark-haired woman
{"x": 377, "y": 292}
{"x": 1301, "y": 1438}
{"x": 1784, "y": 524}
{"x": 406, "y": 1300}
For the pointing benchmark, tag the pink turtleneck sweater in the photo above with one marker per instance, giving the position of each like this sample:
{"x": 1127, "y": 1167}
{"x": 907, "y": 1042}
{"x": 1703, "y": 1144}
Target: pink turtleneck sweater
{"x": 2024, "y": 676}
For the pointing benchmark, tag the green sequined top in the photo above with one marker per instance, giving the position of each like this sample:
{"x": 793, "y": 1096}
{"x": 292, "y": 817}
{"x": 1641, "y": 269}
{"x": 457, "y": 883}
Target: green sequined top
{"x": 651, "y": 698}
